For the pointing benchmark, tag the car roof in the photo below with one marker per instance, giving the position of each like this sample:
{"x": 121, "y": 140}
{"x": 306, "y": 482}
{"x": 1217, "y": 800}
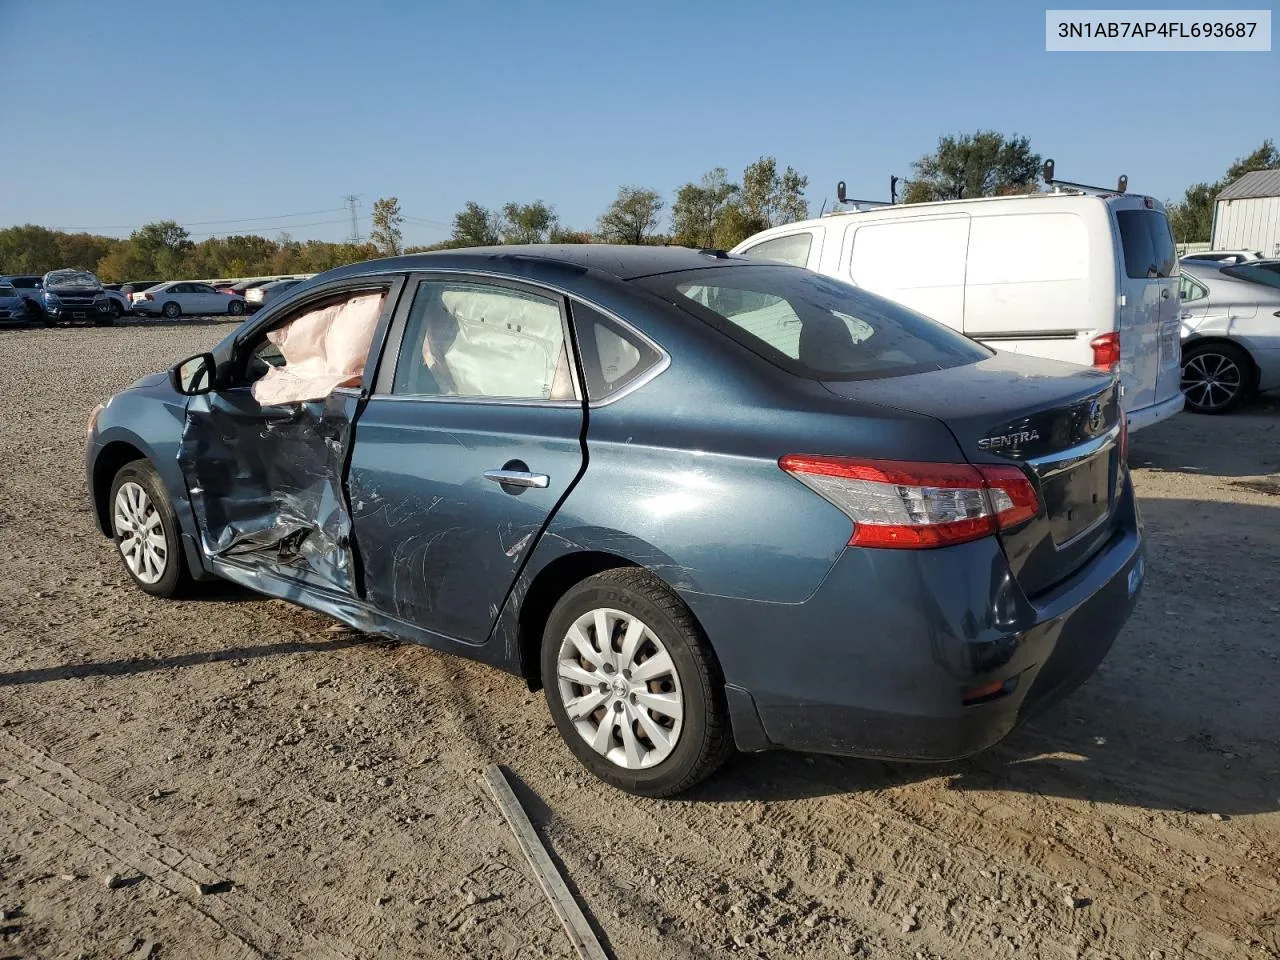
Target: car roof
{"x": 615, "y": 260}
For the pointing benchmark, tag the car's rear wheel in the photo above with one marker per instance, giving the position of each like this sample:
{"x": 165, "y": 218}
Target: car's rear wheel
{"x": 633, "y": 685}
{"x": 145, "y": 530}
{"x": 172, "y": 310}
{"x": 1216, "y": 377}
{"x": 235, "y": 308}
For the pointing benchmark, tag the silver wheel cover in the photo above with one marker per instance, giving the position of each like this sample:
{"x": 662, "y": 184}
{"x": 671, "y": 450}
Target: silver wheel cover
{"x": 620, "y": 688}
{"x": 140, "y": 533}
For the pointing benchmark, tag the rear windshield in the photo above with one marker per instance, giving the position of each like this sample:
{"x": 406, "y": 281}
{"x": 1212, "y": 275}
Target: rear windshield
{"x": 1149, "y": 252}
{"x": 813, "y": 326}
{"x": 1267, "y": 274}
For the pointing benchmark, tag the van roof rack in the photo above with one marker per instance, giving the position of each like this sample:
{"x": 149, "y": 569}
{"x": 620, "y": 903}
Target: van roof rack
{"x": 1066, "y": 185}
{"x": 842, "y": 197}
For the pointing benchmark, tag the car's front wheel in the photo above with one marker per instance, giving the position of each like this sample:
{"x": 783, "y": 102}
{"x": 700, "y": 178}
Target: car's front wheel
{"x": 1216, "y": 377}
{"x": 117, "y": 311}
{"x": 172, "y": 310}
{"x": 633, "y": 685}
{"x": 145, "y": 530}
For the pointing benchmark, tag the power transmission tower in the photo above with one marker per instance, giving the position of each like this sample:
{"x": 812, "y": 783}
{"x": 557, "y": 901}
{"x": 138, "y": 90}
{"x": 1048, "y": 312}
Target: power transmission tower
{"x": 352, "y": 200}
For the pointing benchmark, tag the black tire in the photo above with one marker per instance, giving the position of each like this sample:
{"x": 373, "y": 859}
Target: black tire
{"x": 1216, "y": 377}
{"x": 37, "y": 313}
{"x": 704, "y": 740}
{"x": 235, "y": 308}
{"x": 117, "y": 311}
{"x": 171, "y": 310}
{"x": 175, "y": 579}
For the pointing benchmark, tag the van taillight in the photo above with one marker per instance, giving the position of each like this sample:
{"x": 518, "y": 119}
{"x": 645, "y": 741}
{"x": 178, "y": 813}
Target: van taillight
{"x": 1106, "y": 351}
{"x": 909, "y": 505}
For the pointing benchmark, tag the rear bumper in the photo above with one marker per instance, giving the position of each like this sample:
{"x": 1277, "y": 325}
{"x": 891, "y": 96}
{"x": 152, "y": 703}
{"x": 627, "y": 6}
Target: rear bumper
{"x": 1154, "y": 413}
{"x": 878, "y": 661}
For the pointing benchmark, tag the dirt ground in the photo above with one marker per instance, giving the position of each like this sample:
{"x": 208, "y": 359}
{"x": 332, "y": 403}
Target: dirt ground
{"x": 231, "y": 778}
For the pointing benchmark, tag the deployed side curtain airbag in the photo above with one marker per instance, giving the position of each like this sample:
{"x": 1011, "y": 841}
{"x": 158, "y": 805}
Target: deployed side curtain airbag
{"x": 322, "y": 349}
{"x": 506, "y": 345}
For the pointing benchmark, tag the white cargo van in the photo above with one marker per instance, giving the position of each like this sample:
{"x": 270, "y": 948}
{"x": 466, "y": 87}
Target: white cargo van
{"x": 1076, "y": 276}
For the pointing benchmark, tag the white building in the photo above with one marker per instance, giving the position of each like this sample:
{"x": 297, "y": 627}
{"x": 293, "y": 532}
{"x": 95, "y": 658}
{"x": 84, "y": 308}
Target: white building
{"x": 1246, "y": 215}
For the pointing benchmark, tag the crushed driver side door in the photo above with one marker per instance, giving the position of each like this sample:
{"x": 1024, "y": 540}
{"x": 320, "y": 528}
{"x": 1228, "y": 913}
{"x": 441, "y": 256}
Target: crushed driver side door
{"x": 267, "y": 480}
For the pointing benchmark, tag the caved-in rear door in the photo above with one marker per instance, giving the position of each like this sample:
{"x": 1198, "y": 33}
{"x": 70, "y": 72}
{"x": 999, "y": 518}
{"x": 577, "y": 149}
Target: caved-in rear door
{"x": 265, "y": 457}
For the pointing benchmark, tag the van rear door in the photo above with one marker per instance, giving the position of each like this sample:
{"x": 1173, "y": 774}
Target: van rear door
{"x": 1147, "y": 311}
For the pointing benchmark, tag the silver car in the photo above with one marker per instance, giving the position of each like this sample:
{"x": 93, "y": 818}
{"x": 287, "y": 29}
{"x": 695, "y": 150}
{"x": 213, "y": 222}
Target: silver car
{"x": 1230, "y": 333}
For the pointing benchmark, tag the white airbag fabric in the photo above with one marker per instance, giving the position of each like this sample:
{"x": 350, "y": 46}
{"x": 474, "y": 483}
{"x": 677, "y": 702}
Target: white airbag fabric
{"x": 322, "y": 350}
{"x": 506, "y": 346}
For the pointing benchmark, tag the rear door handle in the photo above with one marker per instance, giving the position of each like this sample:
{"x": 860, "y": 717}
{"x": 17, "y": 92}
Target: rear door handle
{"x": 518, "y": 478}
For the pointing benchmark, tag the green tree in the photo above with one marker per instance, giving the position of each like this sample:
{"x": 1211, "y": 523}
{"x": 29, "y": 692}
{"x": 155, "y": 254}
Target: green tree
{"x": 475, "y": 226}
{"x": 29, "y": 249}
{"x": 771, "y": 198}
{"x": 386, "y": 234}
{"x": 698, "y": 208}
{"x": 561, "y": 234}
{"x": 1192, "y": 217}
{"x": 632, "y": 216}
{"x": 527, "y": 222}
{"x": 964, "y": 167}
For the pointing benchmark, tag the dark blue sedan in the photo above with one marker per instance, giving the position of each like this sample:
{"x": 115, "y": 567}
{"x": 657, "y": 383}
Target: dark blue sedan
{"x": 701, "y": 501}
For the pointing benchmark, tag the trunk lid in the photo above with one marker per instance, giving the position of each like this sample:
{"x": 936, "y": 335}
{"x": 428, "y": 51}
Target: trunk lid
{"x": 1058, "y": 422}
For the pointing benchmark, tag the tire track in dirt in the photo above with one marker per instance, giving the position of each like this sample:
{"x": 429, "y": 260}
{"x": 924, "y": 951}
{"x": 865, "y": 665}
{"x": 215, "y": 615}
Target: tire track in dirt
{"x": 89, "y": 811}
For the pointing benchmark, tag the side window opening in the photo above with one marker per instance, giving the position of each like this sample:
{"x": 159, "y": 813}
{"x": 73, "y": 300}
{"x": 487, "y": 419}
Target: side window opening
{"x": 1189, "y": 290}
{"x": 477, "y": 340}
{"x": 612, "y": 356}
{"x": 322, "y": 347}
{"x": 792, "y": 249}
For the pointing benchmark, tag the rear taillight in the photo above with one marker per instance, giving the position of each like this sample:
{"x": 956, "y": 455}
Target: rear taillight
{"x": 147, "y": 296}
{"x": 1106, "y": 351}
{"x": 912, "y": 506}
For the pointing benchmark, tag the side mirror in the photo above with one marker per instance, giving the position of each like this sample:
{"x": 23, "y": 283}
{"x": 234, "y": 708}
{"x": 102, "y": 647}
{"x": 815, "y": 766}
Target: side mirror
{"x": 194, "y": 376}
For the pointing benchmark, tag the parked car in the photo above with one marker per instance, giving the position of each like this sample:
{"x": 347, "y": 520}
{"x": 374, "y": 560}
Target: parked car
{"x": 120, "y": 305}
{"x": 257, "y": 297}
{"x": 13, "y": 309}
{"x": 1265, "y": 272}
{"x": 71, "y": 294}
{"x": 773, "y": 509}
{"x": 243, "y": 287}
{"x": 1068, "y": 276}
{"x": 137, "y": 286}
{"x": 1230, "y": 334}
{"x": 1224, "y": 258}
{"x": 29, "y": 289}
{"x": 178, "y": 297}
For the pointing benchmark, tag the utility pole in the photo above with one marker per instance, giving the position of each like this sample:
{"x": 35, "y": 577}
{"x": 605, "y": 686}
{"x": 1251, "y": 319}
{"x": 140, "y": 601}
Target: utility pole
{"x": 352, "y": 199}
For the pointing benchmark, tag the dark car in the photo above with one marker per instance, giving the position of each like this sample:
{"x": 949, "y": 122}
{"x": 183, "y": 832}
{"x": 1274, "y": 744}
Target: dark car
{"x": 701, "y": 500}
{"x": 29, "y": 289}
{"x": 13, "y": 309}
{"x": 70, "y": 295}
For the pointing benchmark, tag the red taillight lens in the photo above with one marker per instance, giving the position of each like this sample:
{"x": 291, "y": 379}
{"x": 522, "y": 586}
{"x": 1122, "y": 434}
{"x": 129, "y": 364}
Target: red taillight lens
{"x": 1106, "y": 351}
{"x": 913, "y": 505}
{"x": 147, "y": 296}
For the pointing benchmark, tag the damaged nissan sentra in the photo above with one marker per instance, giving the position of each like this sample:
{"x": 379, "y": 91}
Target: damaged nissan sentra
{"x": 702, "y": 501}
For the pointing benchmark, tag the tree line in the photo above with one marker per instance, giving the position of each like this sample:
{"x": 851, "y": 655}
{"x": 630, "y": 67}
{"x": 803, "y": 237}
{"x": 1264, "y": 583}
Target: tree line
{"x": 713, "y": 211}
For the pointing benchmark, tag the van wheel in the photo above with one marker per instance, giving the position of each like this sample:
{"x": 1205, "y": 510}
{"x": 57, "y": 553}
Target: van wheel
{"x": 633, "y": 685}
{"x": 1216, "y": 377}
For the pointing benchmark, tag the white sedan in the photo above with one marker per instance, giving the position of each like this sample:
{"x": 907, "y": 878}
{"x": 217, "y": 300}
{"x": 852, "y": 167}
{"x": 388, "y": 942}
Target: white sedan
{"x": 178, "y": 297}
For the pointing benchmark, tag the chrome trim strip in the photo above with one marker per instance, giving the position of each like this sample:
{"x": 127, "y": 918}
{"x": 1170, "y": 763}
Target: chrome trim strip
{"x": 1026, "y": 335}
{"x": 496, "y": 401}
{"x": 1052, "y": 464}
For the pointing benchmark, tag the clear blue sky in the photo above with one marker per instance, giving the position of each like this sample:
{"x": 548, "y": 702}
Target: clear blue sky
{"x": 123, "y": 112}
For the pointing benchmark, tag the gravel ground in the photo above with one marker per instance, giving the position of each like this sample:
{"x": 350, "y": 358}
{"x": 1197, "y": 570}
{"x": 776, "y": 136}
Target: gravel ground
{"x": 232, "y": 777}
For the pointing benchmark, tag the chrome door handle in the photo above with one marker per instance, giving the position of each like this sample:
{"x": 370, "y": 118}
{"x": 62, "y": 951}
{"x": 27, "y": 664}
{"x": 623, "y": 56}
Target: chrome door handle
{"x": 518, "y": 478}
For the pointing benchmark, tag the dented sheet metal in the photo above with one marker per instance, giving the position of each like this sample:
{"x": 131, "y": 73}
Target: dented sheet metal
{"x": 265, "y": 483}
{"x": 322, "y": 350}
